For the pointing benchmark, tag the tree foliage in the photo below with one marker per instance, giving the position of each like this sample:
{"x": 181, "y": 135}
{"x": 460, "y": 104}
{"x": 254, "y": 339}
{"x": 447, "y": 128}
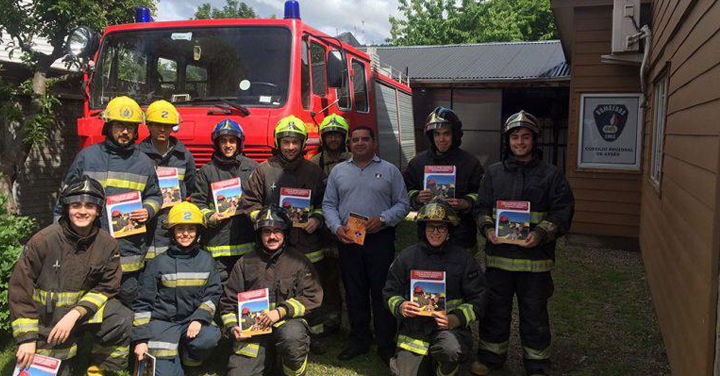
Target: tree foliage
{"x": 232, "y": 9}
{"x": 426, "y": 22}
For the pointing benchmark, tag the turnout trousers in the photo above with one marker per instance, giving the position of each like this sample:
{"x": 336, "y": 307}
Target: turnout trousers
{"x": 533, "y": 291}
{"x": 172, "y": 349}
{"x": 257, "y": 356}
{"x": 447, "y": 350}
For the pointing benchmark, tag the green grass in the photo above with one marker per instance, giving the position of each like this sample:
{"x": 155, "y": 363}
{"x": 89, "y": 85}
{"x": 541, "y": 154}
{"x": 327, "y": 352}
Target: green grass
{"x": 601, "y": 314}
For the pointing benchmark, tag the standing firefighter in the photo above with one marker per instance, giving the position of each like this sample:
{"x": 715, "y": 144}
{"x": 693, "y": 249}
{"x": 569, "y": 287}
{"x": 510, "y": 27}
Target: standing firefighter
{"x": 227, "y": 238}
{"x": 522, "y": 270}
{"x": 435, "y": 345}
{"x": 122, "y": 168}
{"x": 63, "y": 286}
{"x": 166, "y": 151}
{"x": 293, "y": 292}
{"x": 178, "y": 293}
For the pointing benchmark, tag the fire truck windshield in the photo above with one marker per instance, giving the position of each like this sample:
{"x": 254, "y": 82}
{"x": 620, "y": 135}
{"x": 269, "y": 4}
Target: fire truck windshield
{"x": 194, "y": 66}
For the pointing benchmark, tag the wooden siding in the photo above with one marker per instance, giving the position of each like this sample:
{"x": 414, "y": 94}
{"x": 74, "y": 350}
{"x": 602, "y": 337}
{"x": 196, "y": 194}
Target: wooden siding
{"x": 607, "y": 203}
{"x": 678, "y": 222}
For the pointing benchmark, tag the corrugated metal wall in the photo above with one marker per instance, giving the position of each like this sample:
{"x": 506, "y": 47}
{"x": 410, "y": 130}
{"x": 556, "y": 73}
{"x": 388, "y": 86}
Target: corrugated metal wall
{"x": 396, "y": 139}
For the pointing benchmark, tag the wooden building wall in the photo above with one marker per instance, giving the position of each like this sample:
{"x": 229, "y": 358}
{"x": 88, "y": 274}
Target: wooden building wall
{"x": 678, "y": 221}
{"x": 606, "y": 203}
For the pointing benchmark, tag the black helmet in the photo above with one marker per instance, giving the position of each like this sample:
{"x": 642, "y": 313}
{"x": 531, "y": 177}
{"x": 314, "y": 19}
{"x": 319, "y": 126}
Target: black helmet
{"x": 436, "y": 119}
{"x": 522, "y": 119}
{"x": 438, "y": 211}
{"x": 83, "y": 189}
{"x": 272, "y": 216}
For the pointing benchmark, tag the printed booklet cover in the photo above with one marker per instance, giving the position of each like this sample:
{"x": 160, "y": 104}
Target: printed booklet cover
{"x": 296, "y": 202}
{"x": 41, "y": 366}
{"x": 440, "y": 180}
{"x": 227, "y": 195}
{"x": 118, "y": 209}
{"x": 251, "y": 305}
{"x": 512, "y": 224}
{"x": 357, "y": 227}
{"x": 145, "y": 367}
{"x": 169, "y": 185}
{"x": 427, "y": 289}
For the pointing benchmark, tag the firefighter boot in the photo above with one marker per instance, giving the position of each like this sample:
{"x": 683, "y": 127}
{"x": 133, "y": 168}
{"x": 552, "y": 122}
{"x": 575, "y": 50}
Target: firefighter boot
{"x": 95, "y": 371}
{"x": 479, "y": 369}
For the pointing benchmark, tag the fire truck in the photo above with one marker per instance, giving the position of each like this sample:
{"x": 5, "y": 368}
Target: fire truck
{"x": 253, "y": 71}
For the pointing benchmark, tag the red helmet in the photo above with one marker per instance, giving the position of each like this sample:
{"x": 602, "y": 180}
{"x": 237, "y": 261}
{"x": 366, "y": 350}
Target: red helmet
{"x": 221, "y": 197}
{"x": 418, "y": 289}
{"x": 116, "y": 213}
{"x": 246, "y": 310}
{"x": 504, "y": 218}
{"x": 287, "y": 204}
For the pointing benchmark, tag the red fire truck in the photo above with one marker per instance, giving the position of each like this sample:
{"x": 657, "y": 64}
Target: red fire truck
{"x": 254, "y": 71}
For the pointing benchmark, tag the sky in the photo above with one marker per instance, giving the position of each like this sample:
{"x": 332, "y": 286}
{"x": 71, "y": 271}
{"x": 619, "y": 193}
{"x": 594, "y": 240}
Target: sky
{"x": 329, "y": 16}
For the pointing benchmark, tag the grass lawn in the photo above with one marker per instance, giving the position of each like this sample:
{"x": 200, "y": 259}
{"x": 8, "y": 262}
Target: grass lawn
{"x": 601, "y": 314}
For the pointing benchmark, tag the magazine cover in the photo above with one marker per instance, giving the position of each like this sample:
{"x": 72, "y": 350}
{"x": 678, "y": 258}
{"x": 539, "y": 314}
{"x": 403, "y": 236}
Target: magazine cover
{"x": 296, "y": 202}
{"x": 169, "y": 185}
{"x": 512, "y": 224}
{"x": 41, "y": 366}
{"x": 251, "y": 305}
{"x": 427, "y": 289}
{"x": 145, "y": 367}
{"x": 226, "y": 195}
{"x": 440, "y": 180}
{"x": 118, "y": 210}
{"x": 357, "y": 227}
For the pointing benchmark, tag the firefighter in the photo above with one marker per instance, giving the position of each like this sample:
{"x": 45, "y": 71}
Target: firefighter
{"x": 288, "y": 169}
{"x": 178, "y": 293}
{"x": 228, "y": 237}
{"x": 166, "y": 151}
{"x": 121, "y": 168}
{"x": 435, "y": 345}
{"x": 443, "y": 130}
{"x": 522, "y": 270}
{"x": 293, "y": 292}
{"x": 334, "y": 130}
{"x": 64, "y": 285}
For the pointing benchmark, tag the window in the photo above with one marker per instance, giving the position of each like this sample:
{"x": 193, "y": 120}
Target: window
{"x": 167, "y": 72}
{"x": 305, "y": 75}
{"x": 360, "y": 87}
{"x": 656, "y": 159}
{"x": 196, "y": 81}
{"x": 343, "y": 93}
{"x": 317, "y": 57}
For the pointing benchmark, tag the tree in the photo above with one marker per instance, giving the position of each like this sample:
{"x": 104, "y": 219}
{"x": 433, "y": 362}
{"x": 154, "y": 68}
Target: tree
{"x": 232, "y": 9}
{"x": 26, "y": 106}
{"x": 427, "y": 22}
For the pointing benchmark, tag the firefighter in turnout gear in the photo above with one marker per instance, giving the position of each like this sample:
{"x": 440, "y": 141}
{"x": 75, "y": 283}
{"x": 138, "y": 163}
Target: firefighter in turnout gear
{"x": 294, "y": 292}
{"x": 179, "y": 291}
{"x": 288, "y": 169}
{"x": 443, "y": 130}
{"x": 524, "y": 269}
{"x": 166, "y": 153}
{"x": 228, "y": 237}
{"x": 64, "y": 285}
{"x": 122, "y": 168}
{"x": 334, "y": 130}
{"x": 437, "y": 344}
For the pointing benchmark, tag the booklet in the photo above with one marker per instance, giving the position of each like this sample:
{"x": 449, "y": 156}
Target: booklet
{"x": 227, "y": 195}
{"x": 296, "y": 202}
{"x": 169, "y": 185}
{"x": 251, "y": 305}
{"x": 512, "y": 223}
{"x": 145, "y": 367}
{"x": 427, "y": 289}
{"x": 118, "y": 210}
{"x": 357, "y": 227}
{"x": 440, "y": 180}
{"x": 41, "y": 366}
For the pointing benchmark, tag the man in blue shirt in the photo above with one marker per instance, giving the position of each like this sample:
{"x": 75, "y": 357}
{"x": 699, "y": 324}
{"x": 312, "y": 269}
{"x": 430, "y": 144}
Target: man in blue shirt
{"x": 373, "y": 188}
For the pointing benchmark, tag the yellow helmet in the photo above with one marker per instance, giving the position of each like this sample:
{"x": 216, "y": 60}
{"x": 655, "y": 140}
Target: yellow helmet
{"x": 290, "y": 126}
{"x": 185, "y": 213}
{"x": 123, "y": 109}
{"x": 162, "y": 112}
{"x": 335, "y": 123}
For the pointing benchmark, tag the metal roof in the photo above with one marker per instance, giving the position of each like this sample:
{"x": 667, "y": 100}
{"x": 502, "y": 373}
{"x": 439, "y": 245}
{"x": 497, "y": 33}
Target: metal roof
{"x": 506, "y": 61}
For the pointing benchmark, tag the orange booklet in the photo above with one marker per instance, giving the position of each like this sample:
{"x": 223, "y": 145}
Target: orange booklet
{"x": 357, "y": 227}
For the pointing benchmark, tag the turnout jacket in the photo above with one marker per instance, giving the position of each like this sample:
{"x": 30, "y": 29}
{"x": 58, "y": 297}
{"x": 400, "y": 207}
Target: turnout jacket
{"x": 264, "y": 189}
{"x": 178, "y": 286}
{"x": 120, "y": 170}
{"x": 468, "y": 172}
{"x": 233, "y": 236}
{"x": 465, "y": 287}
{"x": 552, "y": 207}
{"x": 158, "y": 238}
{"x": 58, "y": 271}
{"x": 326, "y": 163}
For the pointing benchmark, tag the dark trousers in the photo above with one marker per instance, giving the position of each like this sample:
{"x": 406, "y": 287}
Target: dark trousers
{"x": 364, "y": 271}
{"x": 533, "y": 291}
{"x": 257, "y": 356}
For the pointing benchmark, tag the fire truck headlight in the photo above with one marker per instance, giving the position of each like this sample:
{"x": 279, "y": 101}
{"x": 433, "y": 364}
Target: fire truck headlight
{"x": 82, "y": 42}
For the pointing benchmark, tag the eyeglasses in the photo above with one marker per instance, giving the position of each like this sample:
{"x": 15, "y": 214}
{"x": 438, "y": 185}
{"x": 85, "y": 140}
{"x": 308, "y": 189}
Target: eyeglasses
{"x": 273, "y": 231}
{"x": 120, "y": 126}
{"x": 438, "y": 229}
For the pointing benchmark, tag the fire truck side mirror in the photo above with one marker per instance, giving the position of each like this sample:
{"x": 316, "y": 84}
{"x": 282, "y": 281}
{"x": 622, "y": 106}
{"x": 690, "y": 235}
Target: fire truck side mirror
{"x": 336, "y": 69}
{"x": 83, "y": 42}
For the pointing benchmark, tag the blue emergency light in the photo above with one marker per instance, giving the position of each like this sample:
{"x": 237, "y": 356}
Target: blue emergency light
{"x": 142, "y": 14}
{"x": 292, "y": 9}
